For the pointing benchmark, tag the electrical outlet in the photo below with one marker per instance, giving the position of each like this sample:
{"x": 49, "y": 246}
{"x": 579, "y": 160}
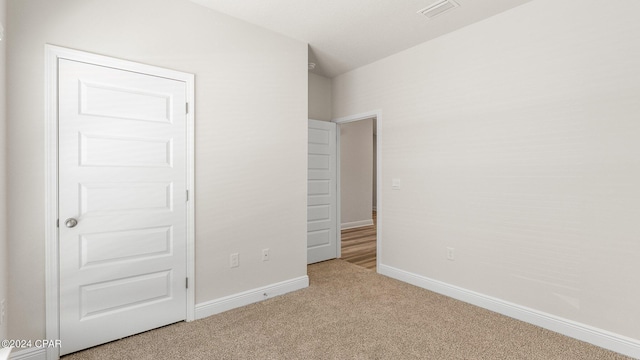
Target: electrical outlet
{"x": 265, "y": 254}
{"x": 3, "y": 310}
{"x": 234, "y": 260}
{"x": 451, "y": 253}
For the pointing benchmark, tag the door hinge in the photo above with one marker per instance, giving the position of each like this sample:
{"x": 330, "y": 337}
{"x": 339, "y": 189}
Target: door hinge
{"x": 187, "y": 195}
{"x": 57, "y": 223}
{"x": 186, "y": 108}
{"x": 187, "y": 283}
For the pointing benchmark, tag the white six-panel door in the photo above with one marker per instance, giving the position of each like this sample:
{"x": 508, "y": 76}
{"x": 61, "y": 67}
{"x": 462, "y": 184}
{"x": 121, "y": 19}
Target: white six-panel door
{"x": 122, "y": 178}
{"x": 322, "y": 208}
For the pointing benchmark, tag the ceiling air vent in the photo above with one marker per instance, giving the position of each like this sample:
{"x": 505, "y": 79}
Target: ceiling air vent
{"x": 438, "y": 8}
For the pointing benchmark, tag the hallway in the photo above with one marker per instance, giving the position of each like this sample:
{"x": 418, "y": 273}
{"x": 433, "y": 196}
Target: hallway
{"x": 359, "y": 245}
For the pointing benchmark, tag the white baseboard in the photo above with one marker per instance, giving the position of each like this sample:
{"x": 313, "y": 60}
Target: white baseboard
{"x": 356, "y": 224}
{"x": 29, "y": 354}
{"x": 599, "y": 337}
{"x": 249, "y": 297}
{"x": 4, "y": 353}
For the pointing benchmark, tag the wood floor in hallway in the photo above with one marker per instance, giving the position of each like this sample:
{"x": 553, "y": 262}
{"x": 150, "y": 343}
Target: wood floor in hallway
{"x": 359, "y": 245}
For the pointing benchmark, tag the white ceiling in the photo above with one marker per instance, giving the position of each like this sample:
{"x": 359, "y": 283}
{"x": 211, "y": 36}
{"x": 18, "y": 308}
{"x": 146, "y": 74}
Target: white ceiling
{"x": 346, "y": 34}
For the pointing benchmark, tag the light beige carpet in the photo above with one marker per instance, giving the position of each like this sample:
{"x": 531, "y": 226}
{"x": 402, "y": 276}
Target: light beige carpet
{"x": 349, "y": 312}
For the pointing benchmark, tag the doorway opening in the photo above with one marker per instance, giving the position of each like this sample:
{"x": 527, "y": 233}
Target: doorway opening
{"x": 358, "y": 174}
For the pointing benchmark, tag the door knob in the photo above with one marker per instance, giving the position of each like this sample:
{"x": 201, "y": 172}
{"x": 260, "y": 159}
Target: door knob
{"x": 71, "y": 222}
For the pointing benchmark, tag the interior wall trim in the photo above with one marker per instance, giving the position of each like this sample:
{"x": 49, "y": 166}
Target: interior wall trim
{"x": 599, "y": 337}
{"x": 28, "y": 354}
{"x": 244, "y": 298}
{"x": 356, "y": 224}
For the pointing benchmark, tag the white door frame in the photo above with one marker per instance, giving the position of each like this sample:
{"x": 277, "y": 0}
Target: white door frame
{"x": 376, "y": 114}
{"x": 52, "y": 281}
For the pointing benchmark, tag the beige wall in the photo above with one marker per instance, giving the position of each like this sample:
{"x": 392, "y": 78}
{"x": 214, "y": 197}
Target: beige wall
{"x": 319, "y": 97}
{"x": 516, "y": 140}
{"x": 4, "y": 259}
{"x": 251, "y": 136}
{"x": 356, "y": 172}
